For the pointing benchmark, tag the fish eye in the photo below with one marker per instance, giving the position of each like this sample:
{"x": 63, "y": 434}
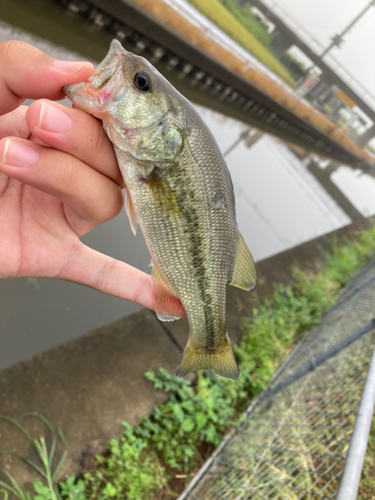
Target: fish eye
{"x": 142, "y": 81}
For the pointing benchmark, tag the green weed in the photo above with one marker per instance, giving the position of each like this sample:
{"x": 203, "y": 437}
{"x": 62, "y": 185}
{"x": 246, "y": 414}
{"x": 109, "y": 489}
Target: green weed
{"x": 47, "y": 488}
{"x": 131, "y": 470}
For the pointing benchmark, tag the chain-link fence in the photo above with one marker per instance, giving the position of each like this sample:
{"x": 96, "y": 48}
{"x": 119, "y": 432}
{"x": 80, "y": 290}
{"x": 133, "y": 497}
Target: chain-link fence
{"x": 296, "y": 441}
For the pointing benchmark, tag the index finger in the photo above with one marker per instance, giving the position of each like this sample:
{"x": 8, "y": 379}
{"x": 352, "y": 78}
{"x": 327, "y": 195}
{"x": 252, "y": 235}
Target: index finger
{"x": 28, "y": 73}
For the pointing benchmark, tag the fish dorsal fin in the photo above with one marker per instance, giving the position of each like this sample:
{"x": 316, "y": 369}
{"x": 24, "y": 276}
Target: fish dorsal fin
{"x": 244, "y": 274}
{"x": 167, "y": 306}
{"x": 130, "y": 212}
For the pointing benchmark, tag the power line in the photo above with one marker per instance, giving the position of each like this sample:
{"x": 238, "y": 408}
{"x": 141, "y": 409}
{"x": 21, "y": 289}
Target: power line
{"x": 338, "y": 39}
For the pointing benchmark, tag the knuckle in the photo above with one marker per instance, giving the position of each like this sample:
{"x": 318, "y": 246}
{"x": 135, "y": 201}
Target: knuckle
{"x": 104, "y": 273}
{"x": 139, "y": 289}
{"x": 98, "y": 139}
{"x": 70, "y": 173}
{"x": 113, "y": 208}
{"x": 5, "y": 47}
{"x": 10, "y": 47}
{"x": 118, "y": 203}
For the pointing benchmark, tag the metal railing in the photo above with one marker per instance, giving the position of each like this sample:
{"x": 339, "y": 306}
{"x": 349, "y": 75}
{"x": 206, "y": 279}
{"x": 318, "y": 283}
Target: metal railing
{"x": 305, "y": 437}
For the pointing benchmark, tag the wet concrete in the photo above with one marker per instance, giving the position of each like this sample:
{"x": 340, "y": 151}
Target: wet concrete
{"x": 88, "y": 386}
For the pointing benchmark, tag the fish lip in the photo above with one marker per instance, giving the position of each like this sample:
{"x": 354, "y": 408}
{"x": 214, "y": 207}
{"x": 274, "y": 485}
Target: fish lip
{"x": 70, "y": 91}
{"x": 94, "y": 88}
{"x": 108, "y": 67}
{"x": 81, "y": 95}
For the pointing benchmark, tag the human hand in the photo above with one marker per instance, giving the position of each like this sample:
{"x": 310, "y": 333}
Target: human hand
{"x": 58, "y": 179}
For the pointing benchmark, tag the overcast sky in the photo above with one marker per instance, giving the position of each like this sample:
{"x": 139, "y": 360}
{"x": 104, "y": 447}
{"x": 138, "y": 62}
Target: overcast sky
{"x": 325, "y": 18}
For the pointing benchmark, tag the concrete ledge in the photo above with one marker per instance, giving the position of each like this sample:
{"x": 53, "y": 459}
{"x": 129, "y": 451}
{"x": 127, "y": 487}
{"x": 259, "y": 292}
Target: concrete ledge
{"x": 87, "y": 386}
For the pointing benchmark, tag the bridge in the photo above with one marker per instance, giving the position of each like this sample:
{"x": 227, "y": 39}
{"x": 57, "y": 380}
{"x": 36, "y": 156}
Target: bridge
{"x": 207, "y": 81}
{"x": 288, "y": 33}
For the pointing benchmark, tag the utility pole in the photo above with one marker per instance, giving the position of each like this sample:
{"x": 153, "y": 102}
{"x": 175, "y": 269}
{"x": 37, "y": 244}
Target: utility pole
{"x": 337, "y": 39}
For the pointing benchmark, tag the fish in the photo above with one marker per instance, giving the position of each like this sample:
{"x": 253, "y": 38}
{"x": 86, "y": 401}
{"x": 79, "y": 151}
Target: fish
{"x": 179, "y": 191}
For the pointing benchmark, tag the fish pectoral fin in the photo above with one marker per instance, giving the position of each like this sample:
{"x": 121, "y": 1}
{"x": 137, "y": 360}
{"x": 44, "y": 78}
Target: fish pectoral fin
{"x": 222, "y": 363}
{"x": 244, "y": 274}
{"x": 130, "y": 212}
{"x": 167, "y": 306}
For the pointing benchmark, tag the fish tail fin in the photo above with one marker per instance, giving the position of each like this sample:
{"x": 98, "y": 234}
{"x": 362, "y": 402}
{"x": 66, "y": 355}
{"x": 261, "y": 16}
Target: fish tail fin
{"x": 222, "y": 363}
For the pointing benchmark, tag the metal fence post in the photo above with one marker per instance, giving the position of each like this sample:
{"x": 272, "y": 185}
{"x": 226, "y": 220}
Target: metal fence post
{"x": 353, "y": 466}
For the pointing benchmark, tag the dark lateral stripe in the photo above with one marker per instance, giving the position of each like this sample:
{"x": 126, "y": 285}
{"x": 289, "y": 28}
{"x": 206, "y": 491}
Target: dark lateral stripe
{"x": 186, "y": 198}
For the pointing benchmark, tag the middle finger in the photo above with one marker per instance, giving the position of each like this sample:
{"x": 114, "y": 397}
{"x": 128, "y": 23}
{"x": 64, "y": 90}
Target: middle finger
{"x": 75, "y": 132}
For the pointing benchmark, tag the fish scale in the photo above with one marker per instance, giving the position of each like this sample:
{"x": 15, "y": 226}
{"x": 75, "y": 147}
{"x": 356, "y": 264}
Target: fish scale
{"x": 180, "y": 193}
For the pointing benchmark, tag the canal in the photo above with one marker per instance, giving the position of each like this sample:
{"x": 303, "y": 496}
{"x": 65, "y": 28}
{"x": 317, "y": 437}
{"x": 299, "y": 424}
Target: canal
{"x": 279, "y": 203}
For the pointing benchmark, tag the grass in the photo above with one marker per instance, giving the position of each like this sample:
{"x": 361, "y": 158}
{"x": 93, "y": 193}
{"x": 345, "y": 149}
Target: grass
{"x": 48, "y": 489}
{"x": 244, "y": 14}
{"x": 154, "y": 459}
{"x": 227, "y": 22}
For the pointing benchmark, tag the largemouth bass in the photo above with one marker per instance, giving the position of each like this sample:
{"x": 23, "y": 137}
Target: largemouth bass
{"x": 179, "y": 191}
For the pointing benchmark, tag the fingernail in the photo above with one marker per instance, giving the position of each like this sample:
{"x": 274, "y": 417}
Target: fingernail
{"x": 69, "y": 66}
{"x": 18, "y": 154}
{"x": 53, "y": 119}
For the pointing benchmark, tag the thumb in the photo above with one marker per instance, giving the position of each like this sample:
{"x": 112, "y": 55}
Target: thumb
{"x": 28, "y": 73}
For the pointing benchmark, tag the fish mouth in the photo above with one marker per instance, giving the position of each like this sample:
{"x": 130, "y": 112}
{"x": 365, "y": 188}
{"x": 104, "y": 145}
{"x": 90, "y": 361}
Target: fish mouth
{"x": 108, "y": 67}
{"x": 90, "y": 96}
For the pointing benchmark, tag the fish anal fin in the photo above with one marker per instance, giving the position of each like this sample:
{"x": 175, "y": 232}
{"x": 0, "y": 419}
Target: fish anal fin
{"x": 130, "y": 212}
{"x": 167, "y": 306}
{"x": 222, "y": 363}
{"x": 244, "y": 274}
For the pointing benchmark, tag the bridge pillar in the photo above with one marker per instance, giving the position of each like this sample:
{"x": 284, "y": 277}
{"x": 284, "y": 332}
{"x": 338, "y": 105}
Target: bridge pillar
{"x": 366, "y": 137}
{"x": 281, "y": 43}
{"x": 323, "y": 176}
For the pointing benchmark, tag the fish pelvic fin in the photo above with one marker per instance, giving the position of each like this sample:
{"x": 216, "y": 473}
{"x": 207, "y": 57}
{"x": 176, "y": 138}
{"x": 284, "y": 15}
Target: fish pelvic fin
{"x": 222, "y": 362}
{"x": 167, "y": 306}
{"x": 130, "y": 212}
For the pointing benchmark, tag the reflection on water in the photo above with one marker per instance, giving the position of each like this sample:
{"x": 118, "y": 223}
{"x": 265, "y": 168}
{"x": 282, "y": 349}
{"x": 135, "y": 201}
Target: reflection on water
{"x": 279, "y": 204}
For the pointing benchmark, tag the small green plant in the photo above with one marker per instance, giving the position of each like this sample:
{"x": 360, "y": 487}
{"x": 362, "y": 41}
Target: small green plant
{"x": 131, "y": 470}
{"x": 72, "y": 489}
{"x": 47, "y": 491}
{"x": 48, "y": 488}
